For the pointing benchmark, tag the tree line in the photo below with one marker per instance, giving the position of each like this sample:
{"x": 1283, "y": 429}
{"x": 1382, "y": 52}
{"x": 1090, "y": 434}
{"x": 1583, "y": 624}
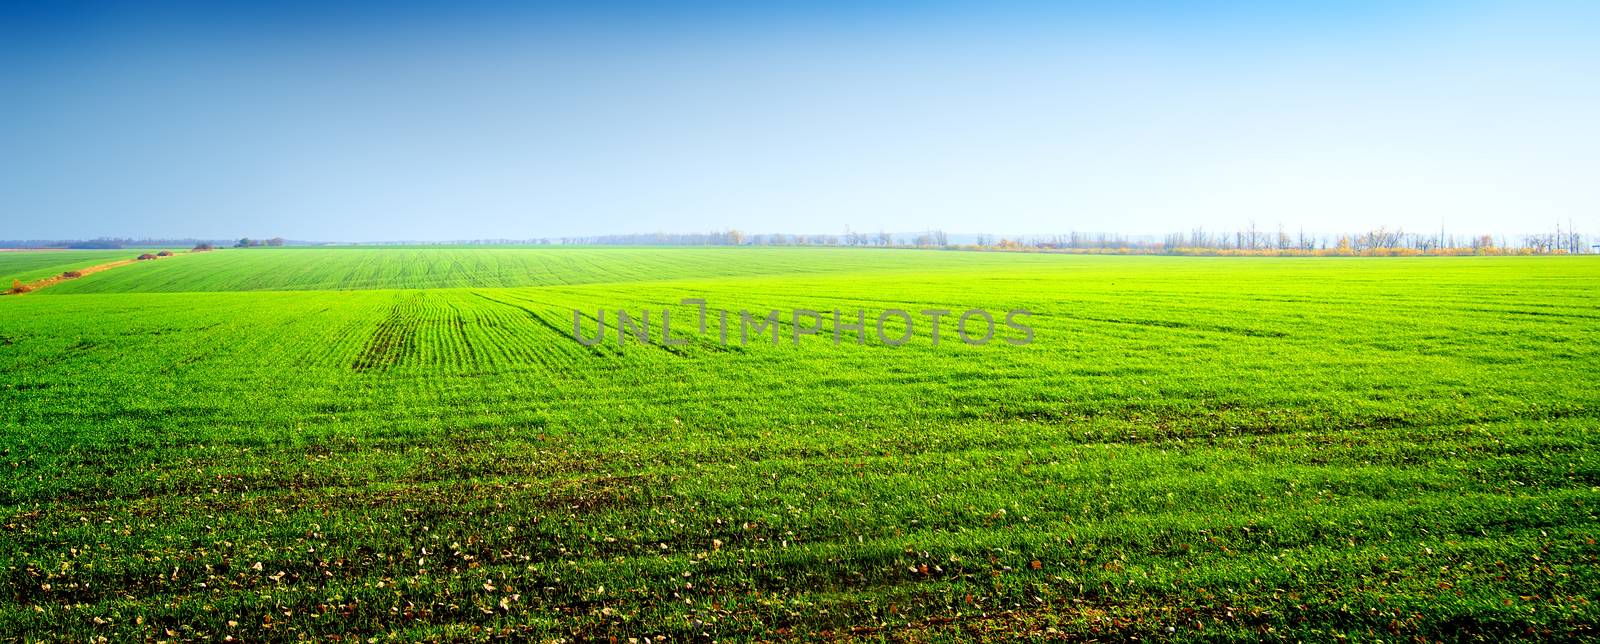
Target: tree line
{"x": 246, "y": 242}
{"x": 1250, "y": 240}
{"x": 102, "y": 243}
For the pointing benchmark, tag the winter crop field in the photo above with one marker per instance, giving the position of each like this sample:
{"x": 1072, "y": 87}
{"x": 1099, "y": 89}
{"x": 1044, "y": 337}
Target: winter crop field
{"x": 27, "y": 266}
{"x": 290, "y": 443}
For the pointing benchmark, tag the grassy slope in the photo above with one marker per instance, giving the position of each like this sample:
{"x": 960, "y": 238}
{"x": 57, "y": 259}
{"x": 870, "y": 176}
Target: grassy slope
{"x": 31, "y": 265}
{"x": 1277, "y": 448}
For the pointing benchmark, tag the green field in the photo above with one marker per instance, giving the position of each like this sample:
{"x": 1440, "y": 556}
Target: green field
{"x": 27, "y": 266}
{"x": 299, "y": 269}
{"x": 280, "y": 444}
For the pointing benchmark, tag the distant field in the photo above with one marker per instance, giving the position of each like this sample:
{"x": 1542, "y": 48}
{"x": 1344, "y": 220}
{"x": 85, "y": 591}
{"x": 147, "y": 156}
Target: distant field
{"x": 298, "y": 269}
{"x": 293, "y": 443}
{"x": 27, "y": 266}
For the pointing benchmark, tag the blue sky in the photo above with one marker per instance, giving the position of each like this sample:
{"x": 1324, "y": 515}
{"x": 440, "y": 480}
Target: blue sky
{"x": 378, "y": 121}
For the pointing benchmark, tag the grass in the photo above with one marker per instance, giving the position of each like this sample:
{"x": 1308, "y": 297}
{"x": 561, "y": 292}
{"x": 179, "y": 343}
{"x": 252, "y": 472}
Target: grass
{"x": 1199, "y": 448}
{"x": 298, "y": 269}
{"x": 27, "y": 266}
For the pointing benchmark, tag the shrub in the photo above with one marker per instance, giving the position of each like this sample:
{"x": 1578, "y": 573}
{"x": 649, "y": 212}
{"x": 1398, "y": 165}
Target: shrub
{"x": 147, "y": 256}
{"x": 165, "y": 253}
{"x": 72, "y": 274}
{"x": 18, "y": 287}
{"x": 201, "y": 248}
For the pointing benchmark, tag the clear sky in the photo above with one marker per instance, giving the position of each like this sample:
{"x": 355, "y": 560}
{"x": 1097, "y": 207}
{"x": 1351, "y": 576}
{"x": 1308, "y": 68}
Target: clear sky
{"x": 406, "y": 120}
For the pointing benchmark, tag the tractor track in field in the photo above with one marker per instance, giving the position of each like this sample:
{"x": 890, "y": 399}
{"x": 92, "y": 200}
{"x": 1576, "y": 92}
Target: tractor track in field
{"x": 393, "y": 340}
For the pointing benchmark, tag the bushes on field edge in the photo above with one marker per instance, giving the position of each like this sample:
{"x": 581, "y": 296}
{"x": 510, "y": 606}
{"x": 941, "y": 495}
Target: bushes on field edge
{"x": 72, "y": 274}
{"x": 18, "y": 287}
{"x": 147, "y": 256}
